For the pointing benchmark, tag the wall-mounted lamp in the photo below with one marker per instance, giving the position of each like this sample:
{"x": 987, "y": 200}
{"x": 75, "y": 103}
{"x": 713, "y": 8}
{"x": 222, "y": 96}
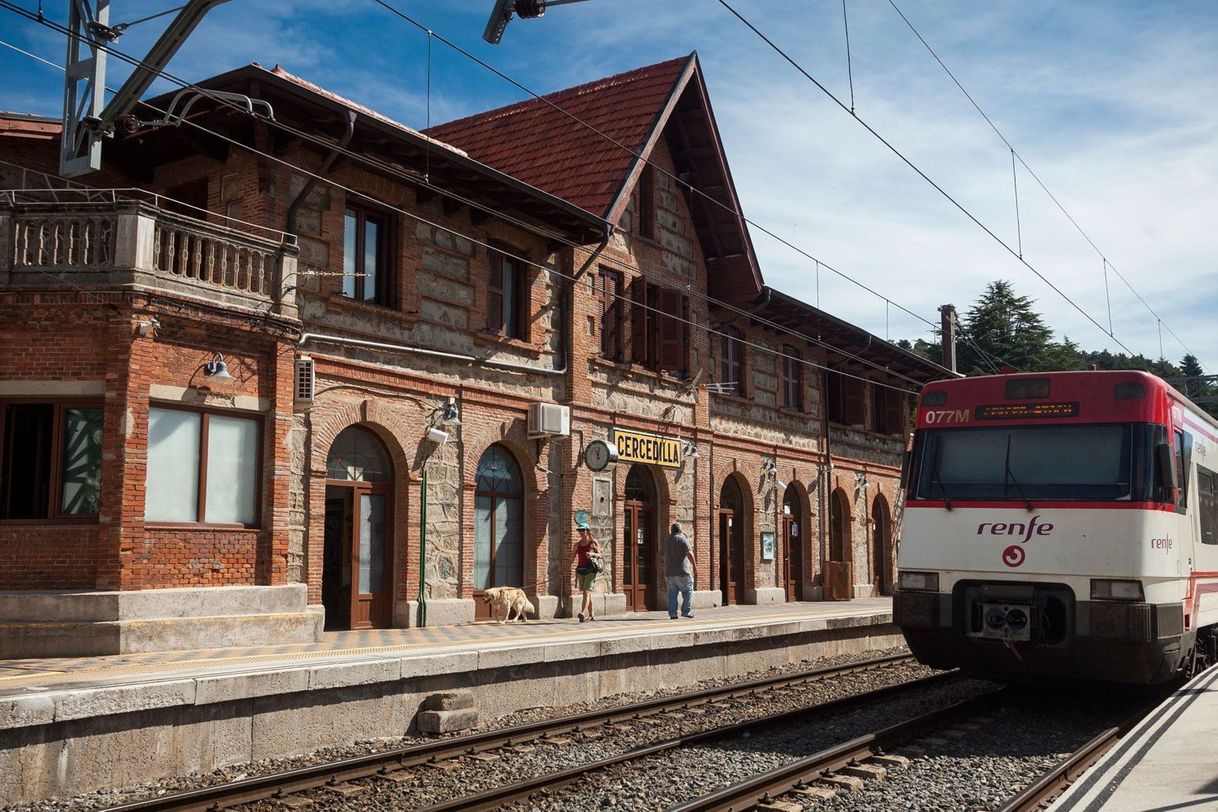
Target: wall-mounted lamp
{"x": 437, "y": 436}
{"x": 450, "y": 412}
{"x": 216, "y": 368}
{"x": 689, "y": 450}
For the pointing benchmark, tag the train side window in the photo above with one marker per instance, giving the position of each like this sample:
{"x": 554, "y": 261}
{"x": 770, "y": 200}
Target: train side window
{"x": 1184, "y": 454}
{"x": 1207, "y": 504}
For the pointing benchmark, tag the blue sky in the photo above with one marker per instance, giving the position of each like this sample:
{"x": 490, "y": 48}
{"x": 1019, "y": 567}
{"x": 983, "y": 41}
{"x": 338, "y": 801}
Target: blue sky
{"x": 1113, "y": 104}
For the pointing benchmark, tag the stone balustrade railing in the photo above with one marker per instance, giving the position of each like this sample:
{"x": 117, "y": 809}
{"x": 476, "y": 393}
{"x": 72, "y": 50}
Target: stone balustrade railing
{"x": 138, "y": 242}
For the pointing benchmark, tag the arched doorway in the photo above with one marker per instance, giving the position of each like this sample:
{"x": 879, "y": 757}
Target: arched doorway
{"x": 793, "y": 530}
{"x": 839, "y": 574}
{"x": 881, "y": 542}
{"x": 357, "y": 571}
{"x": 639, "y": 576}
{"x": 498, "y": 525}
{"x": 731, "y": 542}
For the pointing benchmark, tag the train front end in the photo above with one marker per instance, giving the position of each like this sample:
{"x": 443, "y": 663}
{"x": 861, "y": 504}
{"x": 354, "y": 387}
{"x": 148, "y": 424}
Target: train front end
{"x": 1041, "y": 537}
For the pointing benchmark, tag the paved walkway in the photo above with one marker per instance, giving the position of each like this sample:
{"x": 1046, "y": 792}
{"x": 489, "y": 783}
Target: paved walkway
{"x": 22, "y": 676}
{"x": 1170, "y": 762}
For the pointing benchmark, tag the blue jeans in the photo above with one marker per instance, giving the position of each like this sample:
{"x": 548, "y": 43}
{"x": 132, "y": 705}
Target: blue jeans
{"x": 685, "y": 585}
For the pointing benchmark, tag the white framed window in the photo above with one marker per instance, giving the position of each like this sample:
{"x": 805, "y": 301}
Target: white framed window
{"x": 203, "y": 467}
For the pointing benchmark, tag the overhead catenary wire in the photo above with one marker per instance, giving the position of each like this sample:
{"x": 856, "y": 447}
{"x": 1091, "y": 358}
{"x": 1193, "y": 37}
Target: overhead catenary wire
{"x": 684, "y": 183}
{"x": 908, "y": 162}
{"x": 523, "y": 260}
{"x": 1016, "y": 156}
{"x": 655, "y": 167}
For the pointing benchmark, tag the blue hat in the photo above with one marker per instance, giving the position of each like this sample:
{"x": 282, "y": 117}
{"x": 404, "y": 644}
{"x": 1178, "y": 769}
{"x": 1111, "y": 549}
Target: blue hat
{"x": 582, "y": 526}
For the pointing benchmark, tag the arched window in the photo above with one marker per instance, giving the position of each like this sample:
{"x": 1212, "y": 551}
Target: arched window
{"x": 498, "y": 521}
{"x": 358, "y": 456}
{"x": 881, "y": 544}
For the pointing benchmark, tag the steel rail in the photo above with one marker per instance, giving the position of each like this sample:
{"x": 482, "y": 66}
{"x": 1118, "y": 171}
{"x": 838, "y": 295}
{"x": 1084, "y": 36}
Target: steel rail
{"x": 497, "y": 797}
{"x": 277, "y": 785}
{"x": 1061, "y": 775}
{"x": 764, "y": 787}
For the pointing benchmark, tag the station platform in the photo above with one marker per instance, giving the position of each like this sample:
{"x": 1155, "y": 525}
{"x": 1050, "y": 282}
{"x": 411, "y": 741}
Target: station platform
{"x": 1169, "y": 762}
{"x": 73, "y": 725}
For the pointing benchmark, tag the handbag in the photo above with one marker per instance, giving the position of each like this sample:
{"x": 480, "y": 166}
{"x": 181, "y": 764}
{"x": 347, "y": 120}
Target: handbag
{"x": 595, "y": 565}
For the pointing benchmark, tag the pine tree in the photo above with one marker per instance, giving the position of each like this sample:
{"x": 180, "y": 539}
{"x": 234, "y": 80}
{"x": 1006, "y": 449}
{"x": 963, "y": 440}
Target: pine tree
{"x": 1002, "y": 327}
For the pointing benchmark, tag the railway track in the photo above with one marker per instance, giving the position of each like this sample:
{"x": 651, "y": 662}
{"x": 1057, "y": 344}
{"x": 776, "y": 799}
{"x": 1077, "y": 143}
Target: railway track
{"x": 282, "y": 785}
{"x": 797, "y": 776}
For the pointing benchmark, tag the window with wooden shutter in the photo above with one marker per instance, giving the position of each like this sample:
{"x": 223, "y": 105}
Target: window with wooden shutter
{"x": 647, "y": 203}
{"x": 834, "y": 398}
{"x": 640, "y": 323}
{"x": 792, "y": 378}
{"x": 886, "y": 409}
{"x": 732, "y": 361}
{"x": 855, "y": 415}
{"x": 611, "y": 314}
{"x": 494, "y": 293}
{"x": 507, "y": 295}
{"x": 672, "y": 332}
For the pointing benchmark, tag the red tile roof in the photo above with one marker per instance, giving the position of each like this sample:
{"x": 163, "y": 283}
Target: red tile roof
{"x": 359, "y": 108}
{"x": 550, "y": 150}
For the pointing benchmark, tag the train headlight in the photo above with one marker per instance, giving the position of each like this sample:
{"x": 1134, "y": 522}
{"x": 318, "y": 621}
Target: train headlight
{"x": 919, "y": 581}
{"x": 1107, "y": 589}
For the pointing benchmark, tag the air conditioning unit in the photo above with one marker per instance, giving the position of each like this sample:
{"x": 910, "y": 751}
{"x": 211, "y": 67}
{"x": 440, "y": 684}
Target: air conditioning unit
{"x": 549, "y": 420}
{"x": 305, "y": 380}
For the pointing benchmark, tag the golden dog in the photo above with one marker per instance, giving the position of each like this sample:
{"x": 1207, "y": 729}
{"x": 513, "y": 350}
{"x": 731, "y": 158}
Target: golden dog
{"x": 506, "y": 600}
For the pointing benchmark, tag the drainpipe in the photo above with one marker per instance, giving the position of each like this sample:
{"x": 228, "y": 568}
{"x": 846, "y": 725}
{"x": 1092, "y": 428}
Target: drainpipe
{"x": 421, "y": 615}
{"x": 294, "y": 208}
{"x": 825, "y": 495}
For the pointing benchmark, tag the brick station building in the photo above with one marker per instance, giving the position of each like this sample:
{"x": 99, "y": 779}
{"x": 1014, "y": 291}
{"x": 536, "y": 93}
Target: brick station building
{"x": 264, "y": 378}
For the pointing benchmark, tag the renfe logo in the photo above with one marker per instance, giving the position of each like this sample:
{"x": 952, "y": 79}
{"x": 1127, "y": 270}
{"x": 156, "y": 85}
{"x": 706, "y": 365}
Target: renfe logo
{"x": 1016, "y": 529}
{"x": 1164, "y": 544}
{"x": 1014, "y": 555}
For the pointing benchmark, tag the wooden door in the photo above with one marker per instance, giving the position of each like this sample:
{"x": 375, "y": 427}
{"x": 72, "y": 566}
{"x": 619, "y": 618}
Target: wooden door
{"x": 731, "y": 557}
{"x": 639, "y": 573}
{"x": 370, "y": 593}
{"x": 792, "y": 566}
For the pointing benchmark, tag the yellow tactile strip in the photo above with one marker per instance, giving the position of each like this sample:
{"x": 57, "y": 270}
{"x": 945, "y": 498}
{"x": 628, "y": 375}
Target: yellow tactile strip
{"x": 446, "y": 639}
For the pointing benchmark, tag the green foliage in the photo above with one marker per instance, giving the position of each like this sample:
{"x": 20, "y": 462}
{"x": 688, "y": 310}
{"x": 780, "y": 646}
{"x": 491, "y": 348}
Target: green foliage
{"x": 1002, "y": 328}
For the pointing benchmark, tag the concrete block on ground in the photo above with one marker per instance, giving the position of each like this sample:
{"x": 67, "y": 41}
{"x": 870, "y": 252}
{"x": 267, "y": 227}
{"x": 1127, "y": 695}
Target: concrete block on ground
{"x": 780, "y": 806}
{"x": 765, "y": 596}
{"x": 449, "y": 700}
{"x": 814, "y": 793}
{"x": 547, "y": 606}
{"x": 441, "y": 612}
{"x": 706, "y": 598}
{"x": 890, "y": 760}
{"x": 839, "y": 781}
{"x": 868, "y": 772}
{"x": 447, "y": 721}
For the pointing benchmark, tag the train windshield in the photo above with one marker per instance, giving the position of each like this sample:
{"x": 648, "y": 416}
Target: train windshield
{"x": 1110, "y": 462}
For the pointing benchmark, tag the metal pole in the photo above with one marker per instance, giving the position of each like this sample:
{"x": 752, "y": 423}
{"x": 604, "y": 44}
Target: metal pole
{"x": 421, "y": 615}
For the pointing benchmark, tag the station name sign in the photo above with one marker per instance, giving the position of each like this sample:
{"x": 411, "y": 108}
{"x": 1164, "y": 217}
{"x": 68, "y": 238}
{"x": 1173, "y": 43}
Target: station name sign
{"x": 635, "y": 447}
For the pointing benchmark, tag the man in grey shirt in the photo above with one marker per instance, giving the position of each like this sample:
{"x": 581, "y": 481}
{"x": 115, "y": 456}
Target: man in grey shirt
{"x": 679, "y": 567}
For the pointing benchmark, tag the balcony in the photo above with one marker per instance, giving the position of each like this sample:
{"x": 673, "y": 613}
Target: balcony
{"x": 93, "y": 238}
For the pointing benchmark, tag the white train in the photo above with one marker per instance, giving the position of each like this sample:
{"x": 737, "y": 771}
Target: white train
{"x": 1061, "y": 525}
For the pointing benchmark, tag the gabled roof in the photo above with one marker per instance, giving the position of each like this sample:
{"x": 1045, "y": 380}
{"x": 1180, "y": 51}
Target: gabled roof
{"x": 558, "y": 143}
{"x": 308, "y": 107}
